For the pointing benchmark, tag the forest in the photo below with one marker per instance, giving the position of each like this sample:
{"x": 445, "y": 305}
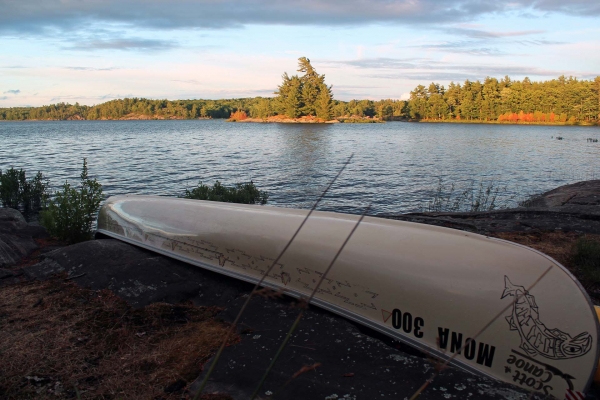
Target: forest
{"x": 565, "y": 100}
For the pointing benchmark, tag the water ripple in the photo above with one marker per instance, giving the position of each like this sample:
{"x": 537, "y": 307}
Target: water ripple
{"x": 396, "y": 165}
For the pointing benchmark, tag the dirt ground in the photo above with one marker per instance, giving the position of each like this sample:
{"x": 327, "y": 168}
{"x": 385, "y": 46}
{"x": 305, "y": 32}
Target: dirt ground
{"x": 58, "y": 340}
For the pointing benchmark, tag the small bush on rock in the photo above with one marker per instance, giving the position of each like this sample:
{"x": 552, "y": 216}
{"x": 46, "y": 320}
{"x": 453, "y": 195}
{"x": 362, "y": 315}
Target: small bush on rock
{"x": 245, "y": 193}
{"x": 71, "y": 214}
{"x": 16, "y": 191}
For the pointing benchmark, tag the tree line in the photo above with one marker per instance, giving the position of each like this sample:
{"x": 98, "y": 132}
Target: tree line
{"x": 557, "y": 100}
{"x": 561, "y": 100}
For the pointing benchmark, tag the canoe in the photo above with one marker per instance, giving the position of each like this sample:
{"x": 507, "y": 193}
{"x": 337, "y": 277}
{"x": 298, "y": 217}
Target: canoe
{"x": 431, "y": 287}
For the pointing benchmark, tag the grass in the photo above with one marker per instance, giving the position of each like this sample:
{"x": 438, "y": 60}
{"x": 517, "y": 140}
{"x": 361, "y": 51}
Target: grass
{"x": 473, "y": 198}
{"x": 586, "y": 257}
{"x": 56, "y": 336}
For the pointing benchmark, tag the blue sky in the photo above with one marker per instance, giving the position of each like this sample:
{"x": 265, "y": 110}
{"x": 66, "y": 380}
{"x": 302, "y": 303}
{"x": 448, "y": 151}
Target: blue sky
{"x": 91, "y": 51}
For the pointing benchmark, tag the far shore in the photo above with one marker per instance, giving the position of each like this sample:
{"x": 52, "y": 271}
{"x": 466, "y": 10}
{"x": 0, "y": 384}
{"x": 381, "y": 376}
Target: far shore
{"x": 466, "y": 121}
{"x": 282, "y": 119}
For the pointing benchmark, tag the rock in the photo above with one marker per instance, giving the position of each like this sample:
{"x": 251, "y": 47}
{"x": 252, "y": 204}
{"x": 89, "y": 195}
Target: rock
{"x": 4, "y": 273}
{"x": 138, "y": 276}
{"x": 342, "y": 361}
{"x": 11, "y": 220}
{"x": 16, "y": 237}
{"x": 572, "y": 197}
{"x": 570, "y": 208}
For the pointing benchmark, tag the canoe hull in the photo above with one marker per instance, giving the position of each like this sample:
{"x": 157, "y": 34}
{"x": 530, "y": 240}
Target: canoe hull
{"x": 431, "y": 287}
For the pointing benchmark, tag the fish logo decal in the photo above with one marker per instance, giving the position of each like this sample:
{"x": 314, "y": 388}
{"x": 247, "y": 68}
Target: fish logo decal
{"x": 536, "y": 338}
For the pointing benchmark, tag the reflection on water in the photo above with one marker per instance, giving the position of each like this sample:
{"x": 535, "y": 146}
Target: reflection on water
{"x": 396, "y": 165}
{"x": 303, "y": 146}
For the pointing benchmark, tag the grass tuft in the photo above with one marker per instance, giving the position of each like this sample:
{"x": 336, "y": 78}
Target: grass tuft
{"x": 473, "y": 198}
{"x": 586, "y": 257}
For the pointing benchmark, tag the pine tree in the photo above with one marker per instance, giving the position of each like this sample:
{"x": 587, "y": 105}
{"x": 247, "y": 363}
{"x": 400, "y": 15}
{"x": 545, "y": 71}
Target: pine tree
{"x": 323, "y": 104}
{"x": 305, "y": 95}
{"x": 289, "y": 96}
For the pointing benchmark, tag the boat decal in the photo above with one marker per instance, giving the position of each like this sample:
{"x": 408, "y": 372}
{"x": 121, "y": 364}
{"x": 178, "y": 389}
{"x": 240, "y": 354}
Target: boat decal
{"x": 535, "y": 374}
{"x": 536, "y": 338}
{"x": 480, "y": 352}
{"x": 386, "y": 315}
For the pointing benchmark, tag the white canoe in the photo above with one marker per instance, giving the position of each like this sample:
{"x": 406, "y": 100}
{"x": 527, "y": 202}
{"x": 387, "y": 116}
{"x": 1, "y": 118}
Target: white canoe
{"x": 427, "y": 286}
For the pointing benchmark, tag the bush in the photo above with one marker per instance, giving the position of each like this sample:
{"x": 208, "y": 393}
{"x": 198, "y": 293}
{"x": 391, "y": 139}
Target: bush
{"x": 19, "y": 193}
{"x": 71, "y": 214}
{"x": 586, "y": 256}
{"x": 245, "y": 193}
{"x": 239, "y": 115}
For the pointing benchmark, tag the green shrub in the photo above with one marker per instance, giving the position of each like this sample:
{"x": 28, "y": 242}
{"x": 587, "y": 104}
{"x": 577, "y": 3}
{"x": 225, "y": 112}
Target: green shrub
{"x": 245, "y": 193}
{"x": 71, "y": 214}
{"x": 586, "y": 256}
{"x": 16, "y": 191}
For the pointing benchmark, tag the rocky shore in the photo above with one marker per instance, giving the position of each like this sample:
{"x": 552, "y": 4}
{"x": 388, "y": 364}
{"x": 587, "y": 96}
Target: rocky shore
{"x": 109, "y": 320}
{"x": 282, "y": 119}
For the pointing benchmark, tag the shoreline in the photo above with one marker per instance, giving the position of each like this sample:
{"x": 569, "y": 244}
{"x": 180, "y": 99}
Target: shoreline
{"x": 481, "y": 122}
{"x": 305, "y": 120}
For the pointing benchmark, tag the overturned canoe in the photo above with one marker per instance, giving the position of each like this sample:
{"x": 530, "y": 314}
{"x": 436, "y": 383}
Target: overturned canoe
{"x": 431, "y": 287}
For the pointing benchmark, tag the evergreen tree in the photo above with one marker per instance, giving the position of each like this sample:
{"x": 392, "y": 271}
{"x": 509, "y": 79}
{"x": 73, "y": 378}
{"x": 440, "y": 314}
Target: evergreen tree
{"x": 289, "y": 96}
{"x": 305, "y": 95}
{"x": 323, "y": 103}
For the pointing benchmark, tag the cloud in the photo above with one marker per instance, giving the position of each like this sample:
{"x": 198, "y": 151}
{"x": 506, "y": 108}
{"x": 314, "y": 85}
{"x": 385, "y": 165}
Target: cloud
{"x": 4, "y": 98}
{"x": 539, "y": 42}
{"x": 423, "y": 69}
{"x": 482, "y": 47}
{"x": 188, "y": 81}
{"x": 12, "y": 92}
{"x": 464, "y": 47}
{"x": 123, "y": 44}
{"x": 481, "y": 34}
{"x": 91, "y": 68}
{"x": 386, "y": 63}
{"x": 100, "y": 98}
{"x": 47, "y": 16}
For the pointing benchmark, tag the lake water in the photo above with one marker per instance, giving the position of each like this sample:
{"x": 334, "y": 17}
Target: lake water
{"x": 396, "y": 166}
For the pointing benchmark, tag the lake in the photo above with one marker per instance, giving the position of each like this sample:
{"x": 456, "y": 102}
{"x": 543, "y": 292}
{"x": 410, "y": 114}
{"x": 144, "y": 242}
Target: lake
{"x": 396, "y": 166}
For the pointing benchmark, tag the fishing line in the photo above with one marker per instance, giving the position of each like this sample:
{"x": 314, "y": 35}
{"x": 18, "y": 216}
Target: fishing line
{"x": 239, "y": 315}
{"x": 297, "y": 321}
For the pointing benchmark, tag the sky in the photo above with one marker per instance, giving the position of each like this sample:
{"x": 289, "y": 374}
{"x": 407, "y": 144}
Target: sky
{"x": 92, "y": 51}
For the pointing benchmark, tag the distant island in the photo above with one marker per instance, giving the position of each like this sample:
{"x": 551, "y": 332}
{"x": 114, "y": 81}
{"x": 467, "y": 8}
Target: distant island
{"x": 308, "y": 99}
